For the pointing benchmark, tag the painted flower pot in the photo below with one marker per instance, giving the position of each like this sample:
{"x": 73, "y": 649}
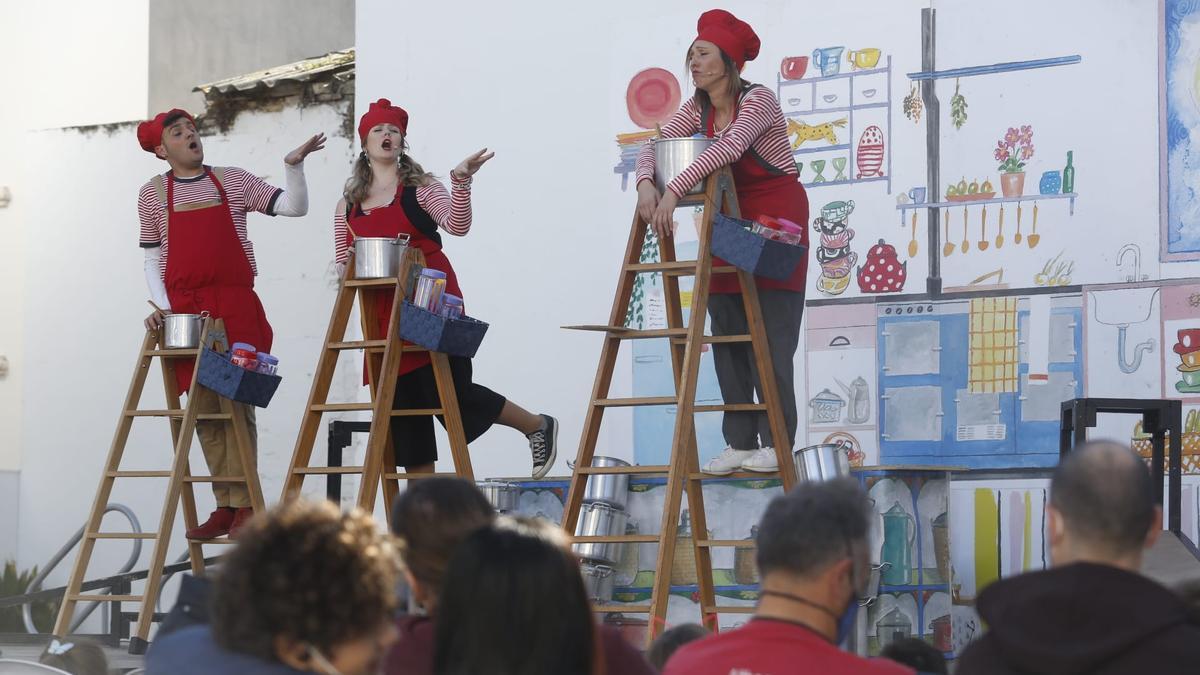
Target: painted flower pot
{"x": 1012, "y": 184}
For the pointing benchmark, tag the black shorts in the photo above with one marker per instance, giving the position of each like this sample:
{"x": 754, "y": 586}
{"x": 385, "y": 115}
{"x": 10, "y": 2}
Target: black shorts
{"x": 412, "y": 437}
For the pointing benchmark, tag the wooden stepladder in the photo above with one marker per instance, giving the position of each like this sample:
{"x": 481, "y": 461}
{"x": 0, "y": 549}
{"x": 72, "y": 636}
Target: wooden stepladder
{"x": 179, "y": 478}
{"x": 383, "y": 354}
{"x": 686, "y": 341}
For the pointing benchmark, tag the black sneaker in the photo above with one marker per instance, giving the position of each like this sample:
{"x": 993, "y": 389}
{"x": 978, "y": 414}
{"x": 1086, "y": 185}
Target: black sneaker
{"x": 543, "y": 445}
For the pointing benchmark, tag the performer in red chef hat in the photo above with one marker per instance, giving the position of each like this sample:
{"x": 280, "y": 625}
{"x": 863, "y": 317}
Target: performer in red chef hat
{"x": 390, "y": 194}
{"x": 751, "y": 138}
{"x": 200, "y": 258}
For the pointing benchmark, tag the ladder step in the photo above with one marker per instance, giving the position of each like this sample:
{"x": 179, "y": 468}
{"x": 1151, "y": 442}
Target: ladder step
{"x": 341, "y": 407}
{"x": 214, "y": 479}
{"x": 631, "y": 470}
{"x": 368, "y": 283}
{"x": 643, "y": 400}
{"x": 417, "y": 412}
{"x": 138, "y": 474}
{"x": 752, "y": 475}
{"x": 176, "y": 412}
{"x": 722, "y": 339}
{"x": 730, "y": 407}
{"x": 618, "y": 539}
{"x": 358, "y": 344}
{"x": 626, "y": 609}
{"x": 418, "y": 476}
{"x": 725, "y": 543}
{"x": 172, "y": 353}
{"x": 122, "y": 535}
{"x": 678, "y": 265}
{"x": 626, "y": 333}
{"x": 105, "y": 598}
{"x": 219, "y": 541}
{"x": 326, "y": 470}
{"x": 714, "y": 609}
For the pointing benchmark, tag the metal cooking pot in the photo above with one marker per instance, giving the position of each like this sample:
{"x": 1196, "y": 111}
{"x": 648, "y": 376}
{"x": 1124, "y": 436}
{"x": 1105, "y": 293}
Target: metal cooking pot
{"x": 503, "y": 496}
{"x": 600, "y": 520}
{"x": 822, "y": 462}
{"x": 378, "y": 257}
{"x": 182, "y": 331}
{"x": 610, "y": 488}
{"x": 673, "y": 155}
{"x": 598, "y": 582}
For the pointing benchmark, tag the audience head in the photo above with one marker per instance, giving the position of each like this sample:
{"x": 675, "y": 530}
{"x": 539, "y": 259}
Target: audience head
{"x": 1102, "y": 507}
{"x": 514, "y": 604}
{"x": 430, "y": 519}
{"x": 816, "y": 535}
{"x": 75, "y": 656}
{"x": 311, "y": 587}
{"x": 916, "y": 654}
{"x": 672, "y": 639}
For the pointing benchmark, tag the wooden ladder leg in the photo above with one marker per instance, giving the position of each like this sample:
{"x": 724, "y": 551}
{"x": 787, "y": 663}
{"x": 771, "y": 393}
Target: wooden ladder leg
{"x": 391, "y": 485}
{"x": 246, "y": 453}
{"x": 703, "y": 552}
{"x": 766, "y": 379}
{"x": 116, "y": 451}
{"x": 452, "y": 415}
{"x": 604, "y": 374}
{"x": 188, "y": 493}
{"x": 319, "y": 392}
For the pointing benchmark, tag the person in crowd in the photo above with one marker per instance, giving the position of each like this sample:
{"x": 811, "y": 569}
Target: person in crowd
{"x": 78, "y": 657}
{"x": 916, "y": 653}
{"x": 389, "y": 194}
{"x": 665, "y": 645}
{"x": 814, "y": 561}
{"x": 307, "y": 589}
{"x": 1092, "y": 611}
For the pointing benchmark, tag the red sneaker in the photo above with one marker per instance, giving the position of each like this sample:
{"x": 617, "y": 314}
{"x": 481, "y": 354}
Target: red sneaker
{"x": 218, "y": 524}
{"x": 239, "y": 519}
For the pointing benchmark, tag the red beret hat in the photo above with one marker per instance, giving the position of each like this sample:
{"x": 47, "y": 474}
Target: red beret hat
{"x": 149, "y": 133}
{"x": 735, "y": 37}
{"x": 382, "y": 112}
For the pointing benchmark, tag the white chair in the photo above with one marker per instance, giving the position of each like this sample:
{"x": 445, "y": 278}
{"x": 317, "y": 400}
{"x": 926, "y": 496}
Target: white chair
{"x": 17, "y": 667}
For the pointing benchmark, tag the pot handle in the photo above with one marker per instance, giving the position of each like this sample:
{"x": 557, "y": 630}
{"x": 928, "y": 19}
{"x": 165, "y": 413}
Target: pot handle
{"x": 571, "y": 464}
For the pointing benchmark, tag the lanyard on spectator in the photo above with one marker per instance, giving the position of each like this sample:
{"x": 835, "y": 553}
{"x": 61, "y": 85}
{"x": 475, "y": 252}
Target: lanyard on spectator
{"x": 803, "y": 601}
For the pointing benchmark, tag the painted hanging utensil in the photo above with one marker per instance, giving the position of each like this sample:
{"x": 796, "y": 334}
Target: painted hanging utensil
{"x": 949, "y": 247}
{"x": 912, "y": 245}
{"x": 1034, "y": 237}
{"x": 1000, "y": 235}
{"x": 983, "y": 240}
{"x": 1017, "y": 238}
{"x": 966, "y": 245}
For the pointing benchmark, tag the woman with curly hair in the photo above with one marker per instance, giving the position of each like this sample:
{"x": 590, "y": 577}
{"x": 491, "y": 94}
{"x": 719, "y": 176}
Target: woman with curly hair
{"x": 307, "y": 589}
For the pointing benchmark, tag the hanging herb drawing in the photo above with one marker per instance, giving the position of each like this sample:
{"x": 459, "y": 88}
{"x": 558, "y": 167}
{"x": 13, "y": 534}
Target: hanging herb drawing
{"x": 635, "y": 315}
{"x": 958, "y": 108}
{"x": 912, "y": 105}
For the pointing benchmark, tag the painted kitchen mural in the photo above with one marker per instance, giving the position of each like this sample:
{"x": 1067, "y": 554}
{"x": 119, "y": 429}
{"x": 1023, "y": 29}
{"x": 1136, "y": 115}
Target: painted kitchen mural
{"x": 946, "y": 323}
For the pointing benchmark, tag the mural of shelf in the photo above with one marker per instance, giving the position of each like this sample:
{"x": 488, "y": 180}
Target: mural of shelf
{"x": 996, "y": 200}
{"x": 789, "y": 100}
{"x": 991, "y": 69}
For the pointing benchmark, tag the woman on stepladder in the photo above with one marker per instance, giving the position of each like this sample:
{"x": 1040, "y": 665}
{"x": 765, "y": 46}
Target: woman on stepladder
{"x": 751, "y": 138}
{"x": 389, "y": 194}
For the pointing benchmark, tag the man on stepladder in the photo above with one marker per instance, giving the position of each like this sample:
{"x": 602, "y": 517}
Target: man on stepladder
{"x": 199, "y": 258}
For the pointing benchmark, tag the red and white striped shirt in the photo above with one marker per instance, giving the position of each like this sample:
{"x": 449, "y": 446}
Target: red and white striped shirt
{"x": 758, "y": 123}
{"x": 450, "y": 210}
{"x": 246, "y": 192}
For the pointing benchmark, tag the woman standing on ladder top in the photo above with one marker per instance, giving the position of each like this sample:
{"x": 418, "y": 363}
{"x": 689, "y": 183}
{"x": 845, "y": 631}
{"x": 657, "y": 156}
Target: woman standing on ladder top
{"x": 390, "y": 194}
{"x": 752, "y": 140}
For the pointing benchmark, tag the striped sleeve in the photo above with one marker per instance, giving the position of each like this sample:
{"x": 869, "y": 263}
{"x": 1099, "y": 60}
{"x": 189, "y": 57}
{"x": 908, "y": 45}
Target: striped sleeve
{"x": 756, "y": 113}
{"x": 684, "y": 123}
{"x": 149, "y": 213}
{"x": 258, "y": 195}
{"x": 451, "y": 211}
{"x": 341, "y": 233}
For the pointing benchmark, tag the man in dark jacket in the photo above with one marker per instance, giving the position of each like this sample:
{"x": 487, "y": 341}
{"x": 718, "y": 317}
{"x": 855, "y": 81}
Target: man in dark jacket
{"x": 1093, "y": 612}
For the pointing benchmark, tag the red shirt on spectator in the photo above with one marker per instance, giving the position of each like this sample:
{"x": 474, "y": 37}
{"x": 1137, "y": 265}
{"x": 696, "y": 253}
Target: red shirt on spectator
{"x": 773, "y": 647}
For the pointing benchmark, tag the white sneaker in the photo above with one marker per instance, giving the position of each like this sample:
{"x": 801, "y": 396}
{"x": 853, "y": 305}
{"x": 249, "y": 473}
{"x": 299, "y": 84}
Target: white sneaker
{"x": 727, "y": 462}
{"x": 763, "y": 461}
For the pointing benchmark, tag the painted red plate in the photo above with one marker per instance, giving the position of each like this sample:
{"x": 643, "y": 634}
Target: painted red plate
{"x": 652, "y": 97}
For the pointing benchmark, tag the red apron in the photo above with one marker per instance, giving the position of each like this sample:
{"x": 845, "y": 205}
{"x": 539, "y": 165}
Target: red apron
{"x": 207, "y": 270}
{"x": 763, "y": 191}
{"x": 391, "y": 221}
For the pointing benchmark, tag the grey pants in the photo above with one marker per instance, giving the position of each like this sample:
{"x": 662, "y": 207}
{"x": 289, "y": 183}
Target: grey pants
{"x": 782, "y": 311}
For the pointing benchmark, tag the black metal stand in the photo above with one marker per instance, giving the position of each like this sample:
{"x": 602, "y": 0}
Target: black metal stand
{"x": 339, "y": 439}
{"x": 1162, "y": 419}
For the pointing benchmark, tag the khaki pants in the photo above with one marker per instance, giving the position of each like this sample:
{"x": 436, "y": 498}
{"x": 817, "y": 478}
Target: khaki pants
{"x": 220, "y": 448}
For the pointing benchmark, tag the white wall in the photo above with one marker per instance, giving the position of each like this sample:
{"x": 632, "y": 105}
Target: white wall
{"x": 87, "y": 298}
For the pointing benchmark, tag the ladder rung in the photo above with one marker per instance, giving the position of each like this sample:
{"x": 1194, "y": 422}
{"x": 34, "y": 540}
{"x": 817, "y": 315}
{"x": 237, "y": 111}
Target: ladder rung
{"x": 730, "y": 407}
{"x": 219, "y": 541}
{"x": 417, "y": 412}
{"x": 714, "y": 609}
{"x": 341, "y": 407}
{"x": 105, "y": 598}
{"x": 626, "y": 333}
{"x": 326, "y": 470}
{"x": 367, "y": 283}
{"x": 138, "y": 474}
{"x": 122, "y": 535}
{"x": 725, "y": 543}
{"x": 643, "y": 400}
{"x": 626, "y": 609}
{"x": 358, "y": 344}
{"x": 688, "y": 265}
{"x": 418, "y": 476}
{"x": 215, "y": 479}
{"x": 632, "y": 470}
{"x": 723, "y": 339}
{"x": 764, "y": 475}
{"x": 618, "y": 539}
{"x": 172, "y": 353}
{"x": 176, "y": 412}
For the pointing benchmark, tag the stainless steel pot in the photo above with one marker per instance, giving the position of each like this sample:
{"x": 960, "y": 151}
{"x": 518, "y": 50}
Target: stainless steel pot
{"x": 600, "y": 520}
{"x": 182, "y": 331}
{"x": 598, "y": 581}
{"x": 378, "y": 257}
{"x": 673, "y": 155}
{"x": 610, "y": 488}
{"x": 822, "y": 462}
{"x": 503, "y": 496}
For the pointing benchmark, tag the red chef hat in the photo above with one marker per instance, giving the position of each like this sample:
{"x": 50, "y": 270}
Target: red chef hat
{"x": 149, "y": 133}
{"x": 735, "y": 37}
{"x": 382, "y": 112}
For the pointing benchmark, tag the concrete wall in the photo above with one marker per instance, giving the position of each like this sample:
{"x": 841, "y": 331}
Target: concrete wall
{"x": 194, "y": 43}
